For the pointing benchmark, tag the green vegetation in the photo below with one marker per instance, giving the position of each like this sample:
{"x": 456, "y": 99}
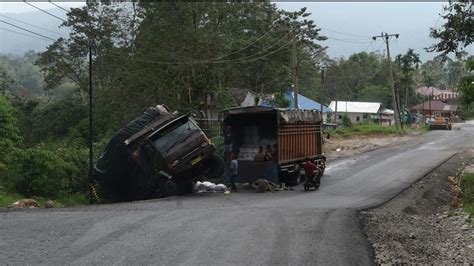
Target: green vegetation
{"x": 363, "y": 130}
{"x": 185, "y": 55}
{"x": 467, "y": 188}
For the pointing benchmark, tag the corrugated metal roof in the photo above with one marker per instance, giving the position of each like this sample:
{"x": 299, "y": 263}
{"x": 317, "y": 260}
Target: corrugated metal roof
{"x": 435, "y": 106}
{"x": 355, "y": 107}
{"x": 306, "y": 103}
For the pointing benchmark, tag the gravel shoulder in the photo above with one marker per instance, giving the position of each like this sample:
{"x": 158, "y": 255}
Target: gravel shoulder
{"x": 336, "y": 148}
{"x": 423, "y": 224}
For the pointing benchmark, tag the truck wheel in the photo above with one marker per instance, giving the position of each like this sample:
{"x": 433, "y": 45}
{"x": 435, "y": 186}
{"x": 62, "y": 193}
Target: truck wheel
{"x": 214, "y": 167}
{"x": 295, "y": 178}
{"x": 185, "y": 187}
{"x": 167, "y": 188}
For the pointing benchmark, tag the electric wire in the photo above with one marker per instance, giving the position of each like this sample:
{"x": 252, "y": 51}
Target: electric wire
{"x": 44, "y": 11}
{"x": 41, "y": 35}
{"x": 60, "y": 7}
{"x": 349, "y": 34}
{"x": 17, "y": 32}
{"x": 31, "y": 25}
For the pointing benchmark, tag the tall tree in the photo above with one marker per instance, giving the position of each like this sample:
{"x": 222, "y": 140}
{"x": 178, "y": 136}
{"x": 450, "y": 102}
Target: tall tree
{"x": 458, "y": 30}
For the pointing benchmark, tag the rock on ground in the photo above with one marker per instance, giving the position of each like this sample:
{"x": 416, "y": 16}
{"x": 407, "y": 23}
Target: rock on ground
{"x": 418, "y": 226}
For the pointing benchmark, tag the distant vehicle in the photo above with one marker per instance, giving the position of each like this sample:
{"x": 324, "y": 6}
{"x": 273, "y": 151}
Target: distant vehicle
{"x": 156, "y": 155}
{"x": 440, "y": 123}
{"x": 296, "y": 135}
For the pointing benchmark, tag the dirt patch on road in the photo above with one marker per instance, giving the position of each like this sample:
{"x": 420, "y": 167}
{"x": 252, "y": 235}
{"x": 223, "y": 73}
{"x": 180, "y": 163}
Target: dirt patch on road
{"x": 336, "y": 148}
{"x": 419, "y": 226}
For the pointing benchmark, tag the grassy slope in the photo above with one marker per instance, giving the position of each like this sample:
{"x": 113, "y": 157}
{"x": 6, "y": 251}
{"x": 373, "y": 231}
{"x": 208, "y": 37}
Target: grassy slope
{"x": 367, "y": 130}
{"x": 467, "y": 188}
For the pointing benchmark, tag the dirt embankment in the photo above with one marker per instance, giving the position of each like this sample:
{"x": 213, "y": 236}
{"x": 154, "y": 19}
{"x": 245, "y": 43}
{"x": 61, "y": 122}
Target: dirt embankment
{"x": 335, "y": 148}
{"x": 423, "y": 223}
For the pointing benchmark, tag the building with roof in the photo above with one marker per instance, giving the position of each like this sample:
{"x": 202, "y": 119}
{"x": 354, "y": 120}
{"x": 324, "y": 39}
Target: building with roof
{"x": 304, "y": 103}
{"x": 437, "y": 94}
{"x": 436, "y": 108}
{"x": 362, "y": 111}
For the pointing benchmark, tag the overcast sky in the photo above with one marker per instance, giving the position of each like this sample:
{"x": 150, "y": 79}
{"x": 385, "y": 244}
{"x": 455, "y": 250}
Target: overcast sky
{"x": 349, "y": 26}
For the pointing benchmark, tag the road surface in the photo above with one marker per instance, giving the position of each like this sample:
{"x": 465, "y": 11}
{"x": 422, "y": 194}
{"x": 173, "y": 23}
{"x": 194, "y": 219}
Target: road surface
{"x": 283, "y": 228}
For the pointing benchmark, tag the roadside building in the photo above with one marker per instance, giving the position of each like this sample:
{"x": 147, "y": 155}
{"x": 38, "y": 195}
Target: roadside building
{"x": 435, "y": 108}
{"x": 305, "y": 103}
{"x": 438, "y": 94}
{"x": 362, "y": 111}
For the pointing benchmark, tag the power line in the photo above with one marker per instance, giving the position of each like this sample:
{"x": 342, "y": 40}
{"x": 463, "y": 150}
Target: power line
{"x": 349, "y": 34}
{"x": 247, "y": 46}
{"x": 31, "y": 25}
{"x": 349, "y": 40}
{"x": 21, "y": 28}
{"x": 58, "y": 6}
{"x": 44, "y": 11}
{"x": 17, "y": 32}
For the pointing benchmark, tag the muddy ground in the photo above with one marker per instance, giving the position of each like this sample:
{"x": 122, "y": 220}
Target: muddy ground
{"x": 336, "y": 148}
{"x": 424, "y": 224}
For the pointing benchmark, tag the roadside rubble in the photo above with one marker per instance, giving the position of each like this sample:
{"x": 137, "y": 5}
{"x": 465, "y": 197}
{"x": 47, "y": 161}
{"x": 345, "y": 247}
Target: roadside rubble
{"x": 424, "y": 224}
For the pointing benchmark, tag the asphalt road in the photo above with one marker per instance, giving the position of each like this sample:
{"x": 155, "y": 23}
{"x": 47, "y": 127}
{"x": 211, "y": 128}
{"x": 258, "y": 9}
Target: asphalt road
{"x": 282, "y": 228}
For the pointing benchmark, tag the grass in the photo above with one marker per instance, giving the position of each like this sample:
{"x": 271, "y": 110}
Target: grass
{"x": 467, "y": 188}
{"x": 369, "y": 130}
{"x": 7, "y": 199}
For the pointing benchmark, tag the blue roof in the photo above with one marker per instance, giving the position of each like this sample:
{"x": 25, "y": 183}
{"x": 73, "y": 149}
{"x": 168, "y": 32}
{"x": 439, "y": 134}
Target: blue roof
{"x": 305, "y": 103}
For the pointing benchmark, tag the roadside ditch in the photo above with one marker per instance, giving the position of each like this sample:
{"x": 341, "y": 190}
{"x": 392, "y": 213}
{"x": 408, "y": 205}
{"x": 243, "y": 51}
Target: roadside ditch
{"x": 425, "y": 224}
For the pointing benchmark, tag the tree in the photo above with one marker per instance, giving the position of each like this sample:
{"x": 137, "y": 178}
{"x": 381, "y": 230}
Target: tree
{"x": 407, "y": 65}
{"x": 9, "y": 132}
{"x": 458, "y": 31}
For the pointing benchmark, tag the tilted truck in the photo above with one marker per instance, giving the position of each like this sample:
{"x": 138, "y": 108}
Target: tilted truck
{"x": 295, "y": 134}
{"x": 156, "y": 155}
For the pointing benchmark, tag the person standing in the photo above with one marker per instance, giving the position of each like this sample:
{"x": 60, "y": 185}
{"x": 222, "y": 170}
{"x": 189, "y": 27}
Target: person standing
{"x": 228, "y": 141}
{"x": 233, "y": 171}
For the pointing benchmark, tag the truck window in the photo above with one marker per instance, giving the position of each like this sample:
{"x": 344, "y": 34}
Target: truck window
{"x": 168, "y": 137}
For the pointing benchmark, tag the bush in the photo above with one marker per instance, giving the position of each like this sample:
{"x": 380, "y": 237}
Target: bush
{"x": 346, "y": 121}
{"x": 39, "y": 172}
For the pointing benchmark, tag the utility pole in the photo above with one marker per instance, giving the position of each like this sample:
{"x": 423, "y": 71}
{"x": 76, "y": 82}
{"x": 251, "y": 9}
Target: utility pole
{"x": 321, "y": 91}
{"x": 295, "y": 74}
{"x": 91, "y": 152}
{"x": 386, "y": 38}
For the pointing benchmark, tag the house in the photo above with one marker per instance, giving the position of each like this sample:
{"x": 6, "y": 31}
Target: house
{"x": 305, "y": 103}
{"x": 436, "y": 108}
{"x": 437, "y": 94}
{"x": 360, "y": 111}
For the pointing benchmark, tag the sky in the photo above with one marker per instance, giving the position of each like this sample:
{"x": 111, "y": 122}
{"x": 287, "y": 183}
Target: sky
{"x": 20, "y": 7}
{"x": 349, "y": 26}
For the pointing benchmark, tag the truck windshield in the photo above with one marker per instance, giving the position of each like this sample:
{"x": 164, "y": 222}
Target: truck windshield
{"x": 168, "y": 137}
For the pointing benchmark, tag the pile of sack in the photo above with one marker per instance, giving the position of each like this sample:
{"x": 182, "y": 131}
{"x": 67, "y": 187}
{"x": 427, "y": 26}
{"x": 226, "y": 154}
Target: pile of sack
{"x": 206, "y": 186}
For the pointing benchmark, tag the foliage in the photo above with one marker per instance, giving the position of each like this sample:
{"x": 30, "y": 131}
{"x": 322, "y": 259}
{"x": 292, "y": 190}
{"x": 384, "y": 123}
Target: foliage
{"x": 467, "y": 188}
{"x": 346, "y": 121}
{"x": 280, "y": 100}
{"x": 458, "y": 30}
{"x": 67, "y": 113}
{"x": 39, "y": 172}
{"x": 19, "y": 76}
{"x": 362, "y": 130}
{"x": 9, "y": 132}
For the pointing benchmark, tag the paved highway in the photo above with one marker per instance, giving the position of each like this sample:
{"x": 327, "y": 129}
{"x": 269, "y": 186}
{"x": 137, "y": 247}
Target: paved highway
{"x": 283, "y": 228}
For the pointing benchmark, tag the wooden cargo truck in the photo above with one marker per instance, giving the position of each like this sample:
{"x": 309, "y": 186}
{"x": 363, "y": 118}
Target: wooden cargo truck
{"x": 293, "y": 136}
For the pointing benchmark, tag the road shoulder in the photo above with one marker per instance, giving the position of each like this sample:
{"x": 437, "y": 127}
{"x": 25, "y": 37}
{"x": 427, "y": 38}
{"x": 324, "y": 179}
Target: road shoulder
{"x": 423, "y": 224}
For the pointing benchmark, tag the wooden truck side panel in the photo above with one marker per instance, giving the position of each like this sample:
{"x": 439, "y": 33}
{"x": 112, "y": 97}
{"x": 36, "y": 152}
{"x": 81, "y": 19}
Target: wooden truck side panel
{"x": 298, "y": 141}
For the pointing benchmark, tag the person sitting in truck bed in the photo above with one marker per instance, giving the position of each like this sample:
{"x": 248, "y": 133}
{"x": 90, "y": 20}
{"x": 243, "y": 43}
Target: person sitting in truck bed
{"x": 268, "y": 153}
{"x": 260, "y": 156}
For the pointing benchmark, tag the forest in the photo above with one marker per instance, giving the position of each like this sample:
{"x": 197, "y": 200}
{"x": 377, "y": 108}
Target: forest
{"x": 181, "y": 55}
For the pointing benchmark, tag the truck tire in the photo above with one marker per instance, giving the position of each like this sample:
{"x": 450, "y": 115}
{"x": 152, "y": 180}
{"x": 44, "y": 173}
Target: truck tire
{"x": 295, "y": 178}
{"x": 185, "y": 187}
{"x": 214, "y": 167}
